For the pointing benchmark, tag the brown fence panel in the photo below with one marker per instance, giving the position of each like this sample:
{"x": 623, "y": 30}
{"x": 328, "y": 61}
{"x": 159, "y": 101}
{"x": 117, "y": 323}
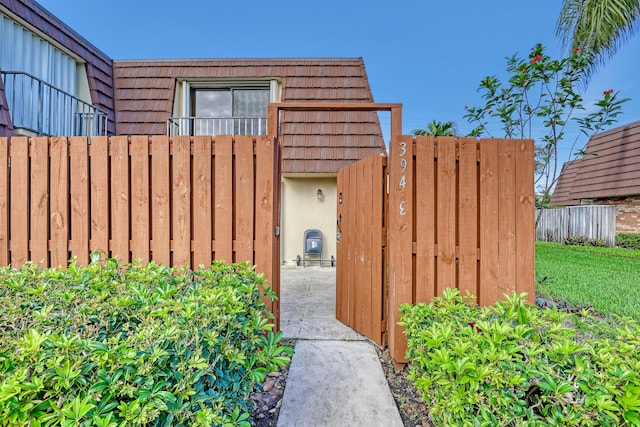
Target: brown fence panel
{"x": 79, "y": 199}
{"x": 160, "y": 199}
{"x": 466, "y": 220}
{"x": 39, "y": 196}
{"x": 99, "y": 189}
{"x": 140, "y": 213}
{"x": 360, "y": 298}
{"x": 176, "y": 201}
{"x": 19, "y": 201}
{"x": 4, "y": 202}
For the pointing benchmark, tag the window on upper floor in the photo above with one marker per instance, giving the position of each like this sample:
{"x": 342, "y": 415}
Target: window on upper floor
{"x": 222, "y": 107}
{"x": 46, "y": 87}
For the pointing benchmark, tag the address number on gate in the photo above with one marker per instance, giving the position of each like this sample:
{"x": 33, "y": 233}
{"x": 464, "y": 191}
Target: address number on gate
{"x": 403, "y": 180}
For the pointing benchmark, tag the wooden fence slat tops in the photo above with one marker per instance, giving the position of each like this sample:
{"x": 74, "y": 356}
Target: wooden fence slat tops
{"x": 170, "y": 200}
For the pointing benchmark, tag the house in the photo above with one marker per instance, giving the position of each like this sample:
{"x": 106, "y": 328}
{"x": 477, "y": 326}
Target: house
{"x": 610, "y": 177}
{"x": 88, "y": 93}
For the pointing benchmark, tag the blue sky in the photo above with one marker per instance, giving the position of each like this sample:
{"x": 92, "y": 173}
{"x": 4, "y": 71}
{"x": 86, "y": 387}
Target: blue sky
{"x": 428, "y": 55}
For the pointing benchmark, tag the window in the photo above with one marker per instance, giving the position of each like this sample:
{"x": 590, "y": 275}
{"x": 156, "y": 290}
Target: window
{"x": 231, "y": 107}
{"x": 236, "y": 111}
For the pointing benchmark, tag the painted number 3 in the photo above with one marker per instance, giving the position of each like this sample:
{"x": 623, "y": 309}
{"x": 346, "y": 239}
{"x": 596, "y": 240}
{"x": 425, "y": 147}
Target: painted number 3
{"x": 403, "y": 211}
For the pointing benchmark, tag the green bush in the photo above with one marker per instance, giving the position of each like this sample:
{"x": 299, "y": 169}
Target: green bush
{"x": 628, "y": 240}
{"x": 110, "y": 345}
{"x": 585, "y": 241}
{"x": 514, "y": 364}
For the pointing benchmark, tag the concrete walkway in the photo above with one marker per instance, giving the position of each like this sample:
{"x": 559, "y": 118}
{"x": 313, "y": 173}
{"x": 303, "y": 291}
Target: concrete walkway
{"x": 335, "y": 378}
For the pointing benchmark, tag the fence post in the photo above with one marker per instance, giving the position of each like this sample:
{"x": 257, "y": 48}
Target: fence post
{"x": 400, "y": 240}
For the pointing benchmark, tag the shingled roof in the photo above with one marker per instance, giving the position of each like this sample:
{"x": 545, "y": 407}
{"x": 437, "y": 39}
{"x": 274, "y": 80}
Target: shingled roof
{"x": 99, "y": 66}
{"x": 313, "y": 142}
{"x": 613, "y": 172}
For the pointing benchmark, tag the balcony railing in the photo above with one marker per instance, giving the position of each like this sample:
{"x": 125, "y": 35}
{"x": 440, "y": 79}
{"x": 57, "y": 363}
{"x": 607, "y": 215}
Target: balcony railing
{"x": 216, "y": 126}
{"x": 44, "y": 110}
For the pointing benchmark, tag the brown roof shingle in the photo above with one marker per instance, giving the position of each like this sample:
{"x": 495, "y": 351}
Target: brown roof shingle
{"x": 613, "y": 172}
{"x": 313, "y": 142}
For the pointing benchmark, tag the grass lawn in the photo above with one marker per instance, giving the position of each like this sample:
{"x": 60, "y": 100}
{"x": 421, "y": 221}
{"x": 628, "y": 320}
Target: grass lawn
{"x": 607, "y": 279}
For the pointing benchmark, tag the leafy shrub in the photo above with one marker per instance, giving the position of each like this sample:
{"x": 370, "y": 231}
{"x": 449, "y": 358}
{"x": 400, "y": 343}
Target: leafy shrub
{"x": 106, "y": 345}
{"x": 628, "y": 240}
{"x": 585, "y": 241}
{"x": 513, "y": 364}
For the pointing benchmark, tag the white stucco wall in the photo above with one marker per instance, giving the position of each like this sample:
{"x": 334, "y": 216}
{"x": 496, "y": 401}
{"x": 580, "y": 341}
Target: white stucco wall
{"x": 302, "y": 210}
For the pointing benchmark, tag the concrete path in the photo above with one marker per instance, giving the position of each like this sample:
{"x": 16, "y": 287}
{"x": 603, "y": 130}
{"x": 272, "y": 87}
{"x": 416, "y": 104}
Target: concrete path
{"x": 335, "y": 378}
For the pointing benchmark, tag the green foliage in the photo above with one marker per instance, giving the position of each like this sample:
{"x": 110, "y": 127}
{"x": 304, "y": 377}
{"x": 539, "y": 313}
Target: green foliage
{"x": 585, "y": 241}
{"x": 437, "y": 128}
{"x": 514, "y": 364}
{"x": 599, "y": 27}
{"x": 540, "y": 100}
{"x": 110, "y": 345}
{"x": 628, "y": 240}
{"x": 603, "y": 278}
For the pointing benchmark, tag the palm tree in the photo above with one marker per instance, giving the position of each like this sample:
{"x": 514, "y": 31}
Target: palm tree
{"x": 436, "y": 128}
{"x": 597, "y": 27}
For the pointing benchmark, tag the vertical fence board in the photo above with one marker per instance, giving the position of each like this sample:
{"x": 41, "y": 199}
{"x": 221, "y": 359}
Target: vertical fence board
{"x": 264, "y": 229}
{"x": 377, "y": 279}
{"x": 140, "y": 218}
{"x": 525, "y": 252}
{"x": 400, "y": 245}
{"x": 244, "y": 198}
{"x": 342, "y": 287}
{"x": 79, "y": 198}
{"x": 160, "y": 200}
{"x": 100, "y": 208}
{"x": 4, "y": 201}
{"x": 19, "y": 201}
{"x": 488, "y": 286}
{"x": 468, "y": 217}
{"x": 181, "y": 194}
{"x": 506, "y": 215}
{"x": 120, "y": 198}
{"x": 358, "y": 265}
{"x": 353, "y": 245}
{"x": 223, "y": 204}
{"x": 39, "y": 196}
{"x": 425, "y": 219}
{"x": 59, "y": 202}
{"x": 446, "y": 214}
{"x": 367, "y": 229}
{"x": 202, "y": 187}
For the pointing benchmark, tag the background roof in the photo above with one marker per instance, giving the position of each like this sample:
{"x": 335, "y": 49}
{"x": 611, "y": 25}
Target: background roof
{"x": 613, "y": 172}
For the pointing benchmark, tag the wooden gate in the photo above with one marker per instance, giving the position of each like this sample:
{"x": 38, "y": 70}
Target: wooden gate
{"x": 459, "y": 213}
{"x": 360, "y": 292}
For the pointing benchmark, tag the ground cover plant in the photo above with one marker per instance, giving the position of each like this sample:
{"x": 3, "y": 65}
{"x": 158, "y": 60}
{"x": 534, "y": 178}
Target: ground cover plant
{"x": 603, "y": 278}
{"x": 628, "y": 240}
{"x": 111, "y": 345}
{"x": 515, "y": 364}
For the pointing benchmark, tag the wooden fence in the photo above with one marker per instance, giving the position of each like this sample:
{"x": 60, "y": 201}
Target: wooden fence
{"x": 176, "y": 201}
{"x": 594, "y": 222}
{"x": 460, "y": 214}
